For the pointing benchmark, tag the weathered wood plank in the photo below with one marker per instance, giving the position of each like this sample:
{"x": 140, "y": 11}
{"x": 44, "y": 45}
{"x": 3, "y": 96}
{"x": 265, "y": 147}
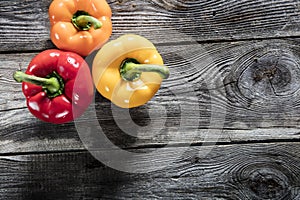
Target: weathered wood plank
{"x": 256, "y": 171}
{"x": 226, "y": 93}
{"x": 239, "y": 72}
{"x": 27, "y": 134}
{"x": 25, "y": 25}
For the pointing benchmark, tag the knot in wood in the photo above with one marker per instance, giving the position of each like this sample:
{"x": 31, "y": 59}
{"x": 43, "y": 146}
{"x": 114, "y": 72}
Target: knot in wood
{"x": 273, "y": 75}
{"x": 259, "y": 180}
{"x": 268, "y": 184}
{"x": 264, "y": 78}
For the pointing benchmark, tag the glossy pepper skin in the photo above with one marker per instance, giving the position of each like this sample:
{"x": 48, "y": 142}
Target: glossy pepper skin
{"x": 80, "y": 26}
{"x": 114, "y": 81}
{"x": 62, "y": 102}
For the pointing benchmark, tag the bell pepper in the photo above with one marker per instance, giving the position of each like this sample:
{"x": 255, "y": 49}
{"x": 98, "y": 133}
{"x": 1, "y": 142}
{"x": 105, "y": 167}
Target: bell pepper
{"x": 80, "y": 26}
{"x": 128, "y": 71}
{"x": 58, "y": 86}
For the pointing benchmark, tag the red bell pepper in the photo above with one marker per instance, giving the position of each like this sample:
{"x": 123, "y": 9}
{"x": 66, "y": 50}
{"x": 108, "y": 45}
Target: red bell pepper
{"x": 57, "y": 85}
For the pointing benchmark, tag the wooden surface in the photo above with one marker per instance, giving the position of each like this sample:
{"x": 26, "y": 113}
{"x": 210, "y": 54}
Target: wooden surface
{"x": 232, "y": 97}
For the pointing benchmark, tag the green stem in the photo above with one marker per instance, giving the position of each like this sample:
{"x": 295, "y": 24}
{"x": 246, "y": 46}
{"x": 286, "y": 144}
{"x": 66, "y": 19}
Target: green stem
{"x": 83, "y": 21}
{"x": 131, "y": 70}
{"x": 53, "y": 85}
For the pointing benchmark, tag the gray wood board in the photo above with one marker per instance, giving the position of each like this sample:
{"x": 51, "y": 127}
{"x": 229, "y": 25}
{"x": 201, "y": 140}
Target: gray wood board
{"x": 252, "y": 171}
{"x": 226, "y": 92}
{"x": 24, "y": 25}
{"x": 229, "y": 113}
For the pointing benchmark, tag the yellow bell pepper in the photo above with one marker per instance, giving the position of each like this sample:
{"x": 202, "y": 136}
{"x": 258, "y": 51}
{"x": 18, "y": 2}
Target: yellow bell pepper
{"x": 128, "y": 71}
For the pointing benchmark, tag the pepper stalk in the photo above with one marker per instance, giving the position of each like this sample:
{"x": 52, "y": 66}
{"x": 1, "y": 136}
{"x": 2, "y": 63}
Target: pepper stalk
{"x": 131, "y": 69}
{"x": 83, "y": 21}
{"x": 53, "y": 84}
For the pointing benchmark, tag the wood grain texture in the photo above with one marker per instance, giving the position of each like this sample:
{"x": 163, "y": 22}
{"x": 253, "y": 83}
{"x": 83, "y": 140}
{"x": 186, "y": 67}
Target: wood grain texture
{"x": 24, "y": 25}
{"x": 257, "y": 171}
{"x": 26, "y": 134}
{"x": 227, "y": 93}
{"x": 229, "y": 113}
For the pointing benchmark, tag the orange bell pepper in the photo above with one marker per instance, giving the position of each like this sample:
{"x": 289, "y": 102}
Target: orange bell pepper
{"x": 80, "y": 26}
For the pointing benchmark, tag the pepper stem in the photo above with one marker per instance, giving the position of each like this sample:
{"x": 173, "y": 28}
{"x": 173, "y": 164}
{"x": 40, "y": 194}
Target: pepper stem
{"x": 131, "y": 69}
{"x": 52, "y": 85}
{"x": 83, "y": 21}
